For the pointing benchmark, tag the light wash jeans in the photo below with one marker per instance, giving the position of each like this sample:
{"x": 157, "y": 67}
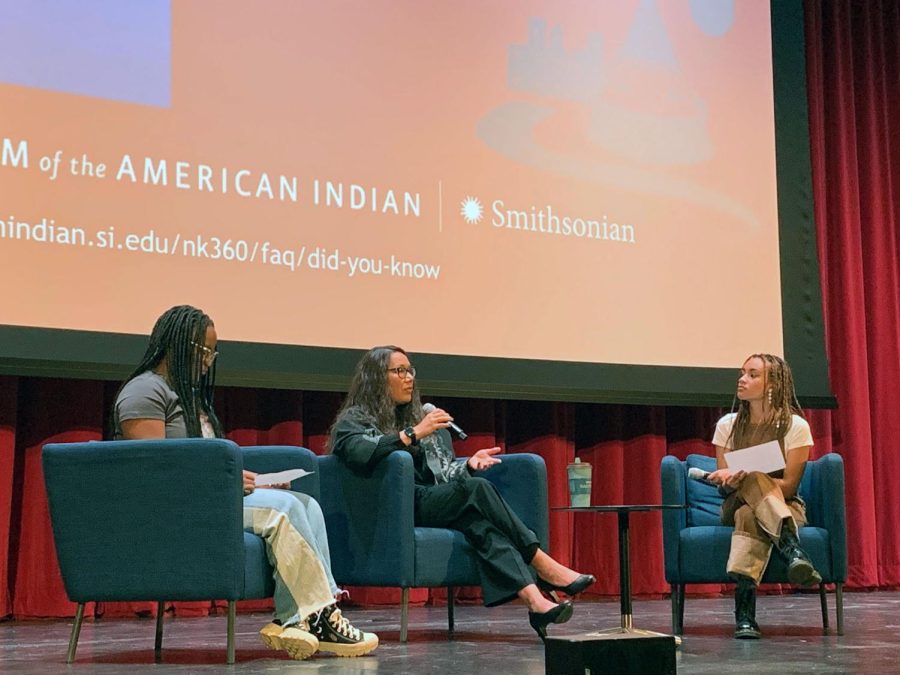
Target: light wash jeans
{"x": 293, "y": 527}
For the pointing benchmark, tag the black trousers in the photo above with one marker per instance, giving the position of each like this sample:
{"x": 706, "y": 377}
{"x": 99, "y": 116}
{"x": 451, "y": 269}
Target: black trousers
{"x": 503, "y": 544}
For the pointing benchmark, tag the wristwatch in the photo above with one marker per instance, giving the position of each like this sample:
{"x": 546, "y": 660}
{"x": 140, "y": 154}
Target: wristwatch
{"x": 411, "y": 435}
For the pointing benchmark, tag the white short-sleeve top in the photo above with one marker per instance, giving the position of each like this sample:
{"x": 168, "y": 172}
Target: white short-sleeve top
{"x": 798, "y": 435}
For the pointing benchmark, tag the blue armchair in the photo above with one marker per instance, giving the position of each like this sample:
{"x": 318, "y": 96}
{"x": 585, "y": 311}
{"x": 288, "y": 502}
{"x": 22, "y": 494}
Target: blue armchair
{"x": 163, "y": 520}
{"x": 697, "y": 545}
{"x": 374, "y": 542}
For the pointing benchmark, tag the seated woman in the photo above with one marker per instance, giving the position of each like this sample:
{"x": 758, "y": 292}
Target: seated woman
{"x": 170, "y": 395}
{"x": 383, "y": 414}
{"x": 765, "y": 510}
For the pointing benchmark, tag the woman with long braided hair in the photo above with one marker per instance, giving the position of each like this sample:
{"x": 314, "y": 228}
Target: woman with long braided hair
{"x": 764, "y": 509}
{"x": 181, "y": 355}
{"x": 170, "y": 395}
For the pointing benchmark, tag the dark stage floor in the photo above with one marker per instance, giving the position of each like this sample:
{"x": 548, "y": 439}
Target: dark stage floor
{"x": 487, "y": 641}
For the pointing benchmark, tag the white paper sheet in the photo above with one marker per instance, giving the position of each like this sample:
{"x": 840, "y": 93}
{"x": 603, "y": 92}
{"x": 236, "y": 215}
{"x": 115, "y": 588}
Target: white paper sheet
{"x": 280, "y": 477}
{"x": 766, "y": 457}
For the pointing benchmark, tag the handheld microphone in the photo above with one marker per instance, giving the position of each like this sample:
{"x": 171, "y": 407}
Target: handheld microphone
{"x": 701, "y": 475}
{"x": 428, "y": 407}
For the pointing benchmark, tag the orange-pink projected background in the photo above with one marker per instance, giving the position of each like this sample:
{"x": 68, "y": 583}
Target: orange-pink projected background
{"x": 551, "y": 180}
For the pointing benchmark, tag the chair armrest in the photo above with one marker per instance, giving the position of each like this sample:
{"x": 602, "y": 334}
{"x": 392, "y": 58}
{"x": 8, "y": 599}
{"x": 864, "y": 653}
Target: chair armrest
{"x": 147, "y": 520}
{"x": 273, "y": 458}
{"x": 522, "y": 481}
{"x": 370, "y": 521}
{"x": 828, "y": 508}
{"x": 673, "y": 477}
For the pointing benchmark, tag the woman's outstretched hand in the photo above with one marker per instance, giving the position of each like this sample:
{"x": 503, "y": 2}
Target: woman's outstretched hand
{"x": 484, "y": 458}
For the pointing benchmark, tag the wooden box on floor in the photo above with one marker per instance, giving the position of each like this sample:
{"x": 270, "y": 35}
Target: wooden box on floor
{"x": 609, "y": 653}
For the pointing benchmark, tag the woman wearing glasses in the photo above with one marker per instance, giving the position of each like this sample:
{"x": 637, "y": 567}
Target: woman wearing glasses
{"x": 383, "y": 414}
{"x": 170, "y": 395}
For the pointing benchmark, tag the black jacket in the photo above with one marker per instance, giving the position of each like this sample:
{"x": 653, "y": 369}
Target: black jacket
{"x": 358, "y": 442}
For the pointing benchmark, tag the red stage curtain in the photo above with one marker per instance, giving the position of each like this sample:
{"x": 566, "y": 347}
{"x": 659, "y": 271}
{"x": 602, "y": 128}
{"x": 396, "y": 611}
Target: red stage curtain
{"x": 854, "y": 95}
{"x": 853, "y": 70}
{"x": 9, "y": 538}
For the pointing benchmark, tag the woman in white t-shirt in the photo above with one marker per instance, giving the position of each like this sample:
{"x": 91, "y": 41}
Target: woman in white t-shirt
{"x": 764, "y": 509}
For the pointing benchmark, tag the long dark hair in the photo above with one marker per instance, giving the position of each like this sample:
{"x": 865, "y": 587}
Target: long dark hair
{"x": 780, "y": 397}
{"x": 176, "y": 337}
{"x": 370, "y": 394}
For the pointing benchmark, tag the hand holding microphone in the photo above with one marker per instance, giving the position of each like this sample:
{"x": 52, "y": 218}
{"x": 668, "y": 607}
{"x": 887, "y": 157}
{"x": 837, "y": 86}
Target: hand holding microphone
{"x": 696, "y": 473}
{"x": 718, "y": 477}
{"x": 434, "y": 419}
{"x": 440, "y": 419}
{"x": 483, "y": 459}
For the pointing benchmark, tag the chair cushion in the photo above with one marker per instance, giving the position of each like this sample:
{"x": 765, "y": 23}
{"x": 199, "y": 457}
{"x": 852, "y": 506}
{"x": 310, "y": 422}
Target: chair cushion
{"x": 258, "y": 579}
{"x": 444, "y": 558}
{"x": 704, "y": 501}
{"x": 704, "y": 550}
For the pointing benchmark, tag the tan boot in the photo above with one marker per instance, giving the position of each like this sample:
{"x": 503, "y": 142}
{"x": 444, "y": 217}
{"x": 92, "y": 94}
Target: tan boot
{"x": 296, "y": 640}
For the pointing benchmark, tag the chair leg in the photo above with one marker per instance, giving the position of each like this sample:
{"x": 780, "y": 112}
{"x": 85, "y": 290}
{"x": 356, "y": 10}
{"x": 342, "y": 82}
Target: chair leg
{"x": 451, "y": 591}
{"x": 824, "y": 598}
{"x": 839, "y": 601}
{"x": 675, "y": 609}
{"x": 76, "y": 630}
{"x": 157, "y": 645}
{"x": 681, "y": 588}
{"x": 404, "y": 614}
{"x": 229, "y": 654}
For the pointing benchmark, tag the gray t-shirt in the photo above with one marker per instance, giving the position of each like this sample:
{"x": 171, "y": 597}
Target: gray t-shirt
{"x": 149, "y": 397}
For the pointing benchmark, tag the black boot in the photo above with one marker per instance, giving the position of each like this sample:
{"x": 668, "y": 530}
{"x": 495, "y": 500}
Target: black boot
{"x": 745, "y": 626}
{"x": 800, "y": 568}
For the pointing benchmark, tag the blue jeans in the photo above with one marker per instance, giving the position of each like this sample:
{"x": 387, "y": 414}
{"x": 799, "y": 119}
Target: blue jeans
{"x": 293, "y": 527}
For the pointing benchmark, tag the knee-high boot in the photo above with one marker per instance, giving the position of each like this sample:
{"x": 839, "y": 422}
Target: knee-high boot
{"x": 745, "y": 626}
{"x": 800, "y": 567}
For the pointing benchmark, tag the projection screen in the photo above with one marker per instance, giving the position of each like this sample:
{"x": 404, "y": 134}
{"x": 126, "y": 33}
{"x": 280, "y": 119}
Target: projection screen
{"x": 561, "y": 200}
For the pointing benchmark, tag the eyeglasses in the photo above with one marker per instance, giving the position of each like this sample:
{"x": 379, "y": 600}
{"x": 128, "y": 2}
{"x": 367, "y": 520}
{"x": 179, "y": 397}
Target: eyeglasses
{"x": 403, "y": 371}
{"x": 209, "y": 355}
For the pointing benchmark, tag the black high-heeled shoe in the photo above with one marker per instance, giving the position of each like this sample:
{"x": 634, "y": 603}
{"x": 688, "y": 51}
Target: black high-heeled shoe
{"x": 581, "y": 583}
{"x": 559, "y": 614}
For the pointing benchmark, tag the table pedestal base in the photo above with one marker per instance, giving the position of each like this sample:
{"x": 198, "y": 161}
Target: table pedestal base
{"x": 630, "y": 630}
